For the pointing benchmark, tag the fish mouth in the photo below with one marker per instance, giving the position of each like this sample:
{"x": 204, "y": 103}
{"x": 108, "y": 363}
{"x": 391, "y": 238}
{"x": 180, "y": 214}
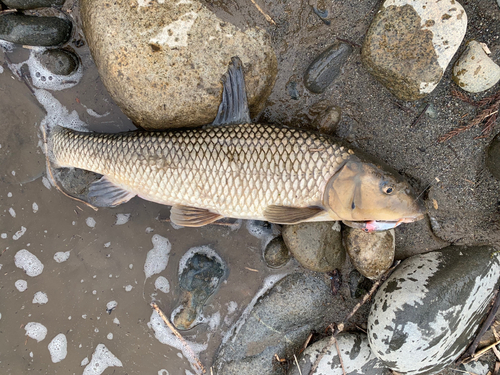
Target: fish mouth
{"x": 380, "y": 225}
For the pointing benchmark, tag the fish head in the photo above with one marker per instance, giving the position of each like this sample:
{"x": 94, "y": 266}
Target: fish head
{"x": 368, "y": 195}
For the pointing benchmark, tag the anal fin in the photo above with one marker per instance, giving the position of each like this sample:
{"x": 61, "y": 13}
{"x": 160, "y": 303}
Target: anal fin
{"x": 104, "y": 193}
{"x": 188, "y": 216}
{"x": 291, "y": 215}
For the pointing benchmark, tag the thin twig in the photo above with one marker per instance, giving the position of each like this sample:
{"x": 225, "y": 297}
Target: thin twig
{"x": 268, "y": 17}
{"x": 178, "y": 335}
{"x": 340, "y": 356}
{"x": 297, "y": 363}
{"x": 420, "y": 115}
{"x": 480, "y": 353}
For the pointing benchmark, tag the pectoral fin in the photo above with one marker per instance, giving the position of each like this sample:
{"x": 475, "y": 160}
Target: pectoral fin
{"x": 291, "y": 215}
{"x": 104, "y": 193}
{"x": 187, "y": 216}
{"x": 234, "y": 106}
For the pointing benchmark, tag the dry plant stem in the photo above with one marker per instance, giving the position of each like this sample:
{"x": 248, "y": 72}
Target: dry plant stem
{"x": 297, "y": 363}
{"x": 480, "y": 353}
{"x": 340, "y": 356}
{"x": 268, "y": 18}
{"x": 178, "y": 335}
{"x": 497, "y": 368}
{"x": 341, "y": 326}
{"x": 487, "y": 323}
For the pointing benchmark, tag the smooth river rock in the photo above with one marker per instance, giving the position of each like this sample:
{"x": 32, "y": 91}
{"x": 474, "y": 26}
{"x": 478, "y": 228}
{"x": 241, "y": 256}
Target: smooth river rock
{"x": 316, "y": 246}
{"x": 371, "y": 253}
{"x": 59, "y": 61}
{"x": 427, "y": 312}
{"x": 410, "y": 43}
{"x": 32, "y": 4}
{"x": 474, "y": 71}
{"x": 34, "y": 31}
{"x": 276, "y": 253}
{"x": 276, "y": 322}
{"x": 162, "y": 62}
{"x": 355, "y": 353}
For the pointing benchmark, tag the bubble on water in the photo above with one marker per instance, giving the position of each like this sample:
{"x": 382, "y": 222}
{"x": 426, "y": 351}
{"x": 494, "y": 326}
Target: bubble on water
{"x": 109, "y": 336}
{"x": 21, "y": 285}
{"x": 111, "y": 305}
{"x": 101, "y": 360}
{"x": 90, "y": 221}
{"x": 9, "y": 194}
{"x": 157, "y": 257}
{"x": 19, "y": 233}
{"x": 62, "y": 256}
{"x": 149, "y": 230}
{"x": 28, "y": 262}
{"x": 36, "y": 331}
{"x": 12, "y": 212}
{"x": 34, "y": 206}
{"x": 41, "y": 298}
{"x": 116, "y": 321}
{"x": 58, "y": 348}
{"x": 107, "y": 244}
{"x": 122, "y": 219}
{"x": 42, "y": 78}
{"x": 128, "y": 288}
{"x": 163, "y": 372}
{"x": 162, "y": 284}
{"x": 3, "y": 235}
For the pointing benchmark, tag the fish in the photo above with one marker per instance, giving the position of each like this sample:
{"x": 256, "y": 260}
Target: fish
{"x": 237, "y": 169}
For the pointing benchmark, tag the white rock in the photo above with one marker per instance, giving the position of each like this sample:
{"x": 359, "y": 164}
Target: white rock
{"x": 474, "y": 71}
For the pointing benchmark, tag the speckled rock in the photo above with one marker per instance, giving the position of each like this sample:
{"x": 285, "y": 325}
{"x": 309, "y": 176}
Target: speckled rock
{"x": 371, "y": 253}
{"x": 316, "y": 246}
{"x": 162, "y": 62}
{"x": 431, "y": 307}
{"x": 59, "y": 61}
{"x": 276, "y": 322}
{"x": 355, "y": 352}
{"x": 326, "y": 67}
{"x": 493, "y": 157}
{"x": 410, "y": 43}
{"x": 32, "y": 4}
{"x": 474, "y": 71}
{"x": 327, "y": 121}
{"x": 276, "y": 253}
{"x": 34, "y": 31}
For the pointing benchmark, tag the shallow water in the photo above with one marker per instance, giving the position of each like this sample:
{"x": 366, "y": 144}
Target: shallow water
{"x": 107, "y": 252}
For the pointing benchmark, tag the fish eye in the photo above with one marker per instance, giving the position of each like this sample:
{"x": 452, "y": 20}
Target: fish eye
{"x": 388, "y": 189}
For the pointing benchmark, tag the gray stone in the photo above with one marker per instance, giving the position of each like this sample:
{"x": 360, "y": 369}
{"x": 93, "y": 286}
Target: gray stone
{"x": 328, "y": 121}
{"x": 326, "y": 67}
{"x": 431, "y": 307}
{"x": 278, "y": 324}
{"x": 358, "y": 284}
{"x": 371, "y": 253}
{"x": 493, "y": 157}
{"x": 59, "y": 61}
{"x": 34, "y": 31}
{"x": 162, "y": 62}
{"x": 355, "y": 353}
{"x": 409, "y": 44}
{"x": 316, "y": 246}
{"x": 276, "y": 253}
{"x": 474, "y": 71}
{"x": 32, "y": 4}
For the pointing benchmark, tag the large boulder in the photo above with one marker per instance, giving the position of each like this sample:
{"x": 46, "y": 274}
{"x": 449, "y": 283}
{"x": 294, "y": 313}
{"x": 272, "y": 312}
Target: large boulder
{"x": 431, "y": 307}
{"x": 162, "y": 62}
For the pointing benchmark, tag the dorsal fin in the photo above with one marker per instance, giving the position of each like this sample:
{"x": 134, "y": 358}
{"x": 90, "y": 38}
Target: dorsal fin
{"x": 234, "y": 106}
{"x": 291, "y": 215}
{"x": 187, "y": 216}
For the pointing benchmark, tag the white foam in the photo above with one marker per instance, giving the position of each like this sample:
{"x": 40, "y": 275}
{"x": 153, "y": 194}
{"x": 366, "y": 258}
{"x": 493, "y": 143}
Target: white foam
{"x": 128, "y": 288}
{"x": 3, "y": 235}
{"x": 111, "y": 305}
{"x": 12, "y": 212}
{"x": 9, "y": 194}
{"x": 149, "y": 230}
{"x": 1, "y": 69}
{"x": 90, "y": 221}
{"x": 164, "y": 335}
{"x": 19, "y": 233}
{"x": 231, "y": 307}
{"x": 205, "y": 250}
{"x": 109, "y": 336}
{"x": 7, "y": 46}
{"x": 58, "y": 348}
{"x": 28, "y": 262}
{"x": 36, "y": 331}
{"x": 107, "y": 244}
{"x": 116, "y": 321}
{"x": 122, "y": 219}
{"x": 62, "y": 256}
{"x": 101, "y": 360}
{"x": 162, "y": 284}
{"x": 93, "y": 113}
{"x": 213, "y": 321}
{"x": 34, "y": 206}
{"x": 41, "y": 298}
{"x": 46, "y": 182}
{"x": 84, "y": 361}
{"x": 42, "y": 78}
{"x": 57, "y": 114}
{"x": 163, "y": 372}
{"x": 21, "y": 285}
{"x": 157, "y": 257}
{"x": 267, "y": 284}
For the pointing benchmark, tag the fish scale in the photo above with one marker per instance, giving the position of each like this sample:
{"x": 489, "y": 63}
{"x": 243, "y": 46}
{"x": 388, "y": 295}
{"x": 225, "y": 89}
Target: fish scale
{"x": 233, "y": 170}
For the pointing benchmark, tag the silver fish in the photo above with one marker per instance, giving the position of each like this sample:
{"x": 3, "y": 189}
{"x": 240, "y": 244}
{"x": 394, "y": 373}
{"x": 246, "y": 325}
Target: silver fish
{"x": 248, "y": 171}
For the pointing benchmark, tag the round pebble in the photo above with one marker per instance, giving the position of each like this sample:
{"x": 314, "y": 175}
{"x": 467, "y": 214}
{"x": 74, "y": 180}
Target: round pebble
{"x": 276, "y": 254}
{"x": 59, "y": 61}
